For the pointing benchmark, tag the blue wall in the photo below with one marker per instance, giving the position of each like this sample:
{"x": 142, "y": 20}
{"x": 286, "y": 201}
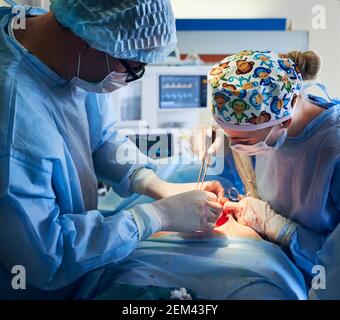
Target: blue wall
{"x": 231, "y": 24}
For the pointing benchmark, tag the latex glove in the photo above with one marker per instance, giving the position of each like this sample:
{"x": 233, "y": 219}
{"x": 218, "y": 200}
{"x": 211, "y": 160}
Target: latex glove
{"x": 209, "y": 139}
{"x": 258, "y": 215}
{"x": 214, "y": 187}
{"x": 186, "y": 212}
{"x": 146, "y": 182}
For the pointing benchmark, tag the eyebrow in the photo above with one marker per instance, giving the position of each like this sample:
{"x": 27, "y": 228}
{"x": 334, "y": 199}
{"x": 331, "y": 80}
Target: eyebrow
{"x": 241, "y": 139}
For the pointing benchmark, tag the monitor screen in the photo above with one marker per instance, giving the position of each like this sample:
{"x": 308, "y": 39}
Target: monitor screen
{"x": 182, "y": 91}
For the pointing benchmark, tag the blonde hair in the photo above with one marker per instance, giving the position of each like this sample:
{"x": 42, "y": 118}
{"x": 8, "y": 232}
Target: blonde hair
{"x": 308, "y": 63}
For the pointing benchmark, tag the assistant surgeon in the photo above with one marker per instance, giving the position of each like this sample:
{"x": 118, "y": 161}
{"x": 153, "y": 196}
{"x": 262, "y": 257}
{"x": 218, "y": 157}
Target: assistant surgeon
{"x": 57, "y": 137}
{"x": 260, "y": 100}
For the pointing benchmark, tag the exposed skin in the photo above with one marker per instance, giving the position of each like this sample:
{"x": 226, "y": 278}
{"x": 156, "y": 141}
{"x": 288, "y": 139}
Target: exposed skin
{"x": 59, "y": 49}
{"x": 304, "y": 113}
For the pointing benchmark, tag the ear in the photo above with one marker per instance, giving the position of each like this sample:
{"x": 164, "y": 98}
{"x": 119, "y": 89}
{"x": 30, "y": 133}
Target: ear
{"x": 286, "y": 124}
{"x": 295, "y": 100}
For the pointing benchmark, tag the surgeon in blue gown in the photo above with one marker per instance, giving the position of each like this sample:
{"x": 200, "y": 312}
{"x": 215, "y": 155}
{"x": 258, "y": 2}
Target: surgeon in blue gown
{"x": 57, "y": 137}
{"x": 295, "y": 136}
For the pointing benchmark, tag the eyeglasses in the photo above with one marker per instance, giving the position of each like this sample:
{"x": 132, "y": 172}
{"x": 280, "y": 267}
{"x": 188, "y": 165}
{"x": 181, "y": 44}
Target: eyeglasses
{"x": 134, "y": 73}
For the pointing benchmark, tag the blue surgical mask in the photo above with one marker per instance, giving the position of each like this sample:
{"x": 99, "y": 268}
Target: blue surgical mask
{"x": 261, "y": 147}
{"x": 113, "y": 81}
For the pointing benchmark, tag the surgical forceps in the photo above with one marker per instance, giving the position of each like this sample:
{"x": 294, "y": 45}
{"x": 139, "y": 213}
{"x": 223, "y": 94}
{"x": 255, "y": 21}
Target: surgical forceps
{"x": 232, "y": 193}
{"x": 203, "y": 170}
{"x": 205, "y": 162}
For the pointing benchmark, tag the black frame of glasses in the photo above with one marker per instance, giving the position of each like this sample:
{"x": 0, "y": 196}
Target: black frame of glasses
{"x": 133, "y": 73}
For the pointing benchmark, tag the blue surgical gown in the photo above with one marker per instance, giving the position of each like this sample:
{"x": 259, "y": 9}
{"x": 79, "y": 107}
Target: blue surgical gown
{"x": 55, "y": 140}
{"x": 301, "y": 181}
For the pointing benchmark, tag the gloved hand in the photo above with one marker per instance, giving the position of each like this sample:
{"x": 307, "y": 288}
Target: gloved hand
{"x": 146, "y": 182}
{"x": 186, "y": 212}
{"x": 258, "y": 215}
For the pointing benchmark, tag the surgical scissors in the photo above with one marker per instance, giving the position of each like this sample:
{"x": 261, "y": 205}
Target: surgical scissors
{"x": 234, "y": 195}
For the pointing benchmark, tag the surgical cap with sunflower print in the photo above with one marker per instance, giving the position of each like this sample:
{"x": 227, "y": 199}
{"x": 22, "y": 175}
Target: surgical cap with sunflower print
{"x": 252, "y": 90}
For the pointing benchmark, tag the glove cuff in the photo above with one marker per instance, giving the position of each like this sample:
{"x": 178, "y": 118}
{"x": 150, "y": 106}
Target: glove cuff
{"x": 286, "y": 233}
{"x": 280, "y": 229}
{"x": 146, "y": 219}
{"x": 141, "y": 179}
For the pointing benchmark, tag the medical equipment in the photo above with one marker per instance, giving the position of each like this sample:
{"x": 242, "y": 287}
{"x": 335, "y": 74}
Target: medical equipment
{"x": 182, "y": 91}
{"x": 203, "y": 170}
{"x": 166, "y": 97}
{"x": 206, "y": 160}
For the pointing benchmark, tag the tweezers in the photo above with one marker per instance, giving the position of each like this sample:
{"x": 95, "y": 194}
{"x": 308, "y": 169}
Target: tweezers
{"x": 203, "y": 170}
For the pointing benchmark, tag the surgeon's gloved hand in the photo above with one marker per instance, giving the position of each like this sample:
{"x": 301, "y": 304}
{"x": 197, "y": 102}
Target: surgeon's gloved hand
{"x": 258, "y": 215}
{"x": 146, "y": 182}
{"x": 186, "y": 212}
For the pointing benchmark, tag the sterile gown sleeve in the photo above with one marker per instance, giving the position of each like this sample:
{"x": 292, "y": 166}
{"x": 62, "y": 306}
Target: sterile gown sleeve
{"x": 45, "y": 226}
{"x": 57, "y": 248}
{"x": 116, "y": 160}
{"x": 115, "y": 157}
{"x": 309, "y": 248}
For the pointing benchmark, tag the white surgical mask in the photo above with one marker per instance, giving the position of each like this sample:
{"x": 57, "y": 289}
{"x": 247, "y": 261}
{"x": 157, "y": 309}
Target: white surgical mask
{"x": 110, "y": 83}
{"x": 260, "y": 147}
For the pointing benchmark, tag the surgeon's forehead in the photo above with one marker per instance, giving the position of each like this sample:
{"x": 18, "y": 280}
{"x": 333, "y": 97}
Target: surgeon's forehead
{"x": 99, "y": 53}
{"x": 236, "y": 134}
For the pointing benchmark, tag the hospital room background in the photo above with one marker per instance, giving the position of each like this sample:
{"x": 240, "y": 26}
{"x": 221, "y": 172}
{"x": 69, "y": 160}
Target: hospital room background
{"x": 173, "y": 95}
{"x": 171, "y": 99}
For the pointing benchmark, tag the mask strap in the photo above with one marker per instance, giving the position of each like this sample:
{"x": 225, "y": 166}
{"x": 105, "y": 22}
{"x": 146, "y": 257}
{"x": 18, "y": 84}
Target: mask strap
{"x": 78, "y": 67}
{"x": 271, "y": 131}
{"x": 322, "y": 102}
{"x": 321, "y": 86}
{"x": 107, "y": 62}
